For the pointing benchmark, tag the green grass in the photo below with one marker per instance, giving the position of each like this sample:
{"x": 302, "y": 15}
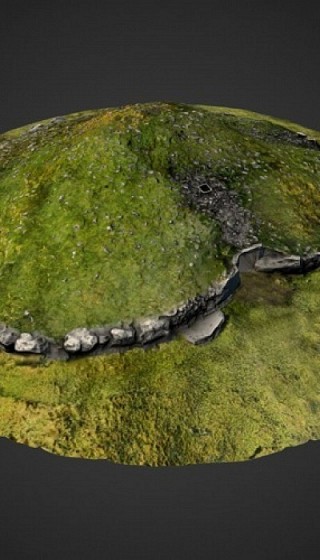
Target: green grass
{"x": 93, "y": 229}
{"x": 252, "y": 391}
{"x": 92, "y": 235}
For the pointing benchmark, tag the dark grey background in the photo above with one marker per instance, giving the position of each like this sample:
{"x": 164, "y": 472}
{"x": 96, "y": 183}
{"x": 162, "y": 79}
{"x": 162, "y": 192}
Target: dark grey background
{"x": 63, "y": 56}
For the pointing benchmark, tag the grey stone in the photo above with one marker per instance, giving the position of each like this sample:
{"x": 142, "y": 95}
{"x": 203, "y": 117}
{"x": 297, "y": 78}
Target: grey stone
{"x": 204, "y": 328}
{"x": 211, "y": 306}
{"x": 226, "y": 288}
{"x": 184, "y": 314}
{"x": 245, "y": 260}
{"x": 122, "y": 335}
{"x": 170, "y": 313}
{"x": 80, "y": 339}
{"x": 152, "y": 328}
{"x": 211, "y": 291}
{"x": 310, "y": 262}
{"x": 72, "y": 343}
{"x": 173, "y": 316}
{"x": 283, "y": 263}
{"x": 104, "y": 338}
{"x": 8, "y": 335}
{"x": 103, "y": 334}
{"x": 27, "y": 342}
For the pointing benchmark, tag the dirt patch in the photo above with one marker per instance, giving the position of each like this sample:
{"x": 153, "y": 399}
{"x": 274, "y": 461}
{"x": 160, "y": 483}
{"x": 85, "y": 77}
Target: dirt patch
{"x": 259, "y": 287}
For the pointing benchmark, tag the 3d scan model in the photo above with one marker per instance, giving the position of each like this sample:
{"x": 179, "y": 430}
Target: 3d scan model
{"x": 160, "y": 284}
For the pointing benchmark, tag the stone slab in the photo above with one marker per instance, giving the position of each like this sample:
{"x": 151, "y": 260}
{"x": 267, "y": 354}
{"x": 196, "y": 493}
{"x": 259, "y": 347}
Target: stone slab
{"x": 204, "y": 328}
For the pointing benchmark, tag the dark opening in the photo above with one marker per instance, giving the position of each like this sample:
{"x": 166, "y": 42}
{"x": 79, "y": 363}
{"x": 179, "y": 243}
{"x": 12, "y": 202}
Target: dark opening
{"x": 204, "y": 188}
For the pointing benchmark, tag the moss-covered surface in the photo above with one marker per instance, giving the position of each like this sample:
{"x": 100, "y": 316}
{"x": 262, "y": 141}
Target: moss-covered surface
{"x": 252, "y": 391}
{"x": 93, "y": 229}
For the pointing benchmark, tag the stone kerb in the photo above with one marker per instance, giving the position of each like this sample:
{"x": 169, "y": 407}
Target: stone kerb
{"x": 186, "y": 319}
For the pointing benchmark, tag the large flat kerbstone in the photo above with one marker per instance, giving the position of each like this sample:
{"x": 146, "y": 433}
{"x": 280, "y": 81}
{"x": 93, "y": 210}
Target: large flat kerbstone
{"x": 204, "y": 328}
{"x": 285, "y": 263}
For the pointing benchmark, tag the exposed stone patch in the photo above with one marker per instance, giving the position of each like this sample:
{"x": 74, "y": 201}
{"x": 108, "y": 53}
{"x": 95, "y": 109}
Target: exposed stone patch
{"x": 297, "y": 139}
{"x": 199, "y": 319}
{"x": 262, "y": 131}
{"x": 211, "y": 196}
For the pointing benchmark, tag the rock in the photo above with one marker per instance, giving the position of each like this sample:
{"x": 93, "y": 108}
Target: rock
{"x": 27, "y": 342}
{"x": 8, "y": 336}
{"x": 152, "y": 328}
{"x": 226, "y": 288}
{"x": 181, "y": 315}
{"x": 72, "y": 343}
{"x": 245, "y": 260}
{"x": 186, "y": 313}
{"x": 103, "y": 334}
{"x": 204, "y": 328}
{"x": 211, "y": 305}
{"x": 211, "y": 291}
{"x": 174, "y": 316}
{"x": 104, "y": 338}
{"x": 311, "y": 262}
{"x": 122, "y": 335}
{"x": 283, "y": 263}
{"x": 170, "y": 313}
{"x": 80, "y": 339}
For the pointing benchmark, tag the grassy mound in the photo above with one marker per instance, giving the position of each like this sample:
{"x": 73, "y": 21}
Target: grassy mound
{"x": 93, "y": 225}
{"x": 95, "y": 228}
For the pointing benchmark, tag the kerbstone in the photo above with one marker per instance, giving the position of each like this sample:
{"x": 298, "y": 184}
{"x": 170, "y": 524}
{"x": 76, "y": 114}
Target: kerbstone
{"x": 122, "y": 335}
{"x": 204, "y": 329}
{"x": 153, "y": 328}
{"x": 8, "y": 335}
{"x": 30, "y": 343}
{"x": 80, "y": 339}
{"x": 290, "y": 263}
